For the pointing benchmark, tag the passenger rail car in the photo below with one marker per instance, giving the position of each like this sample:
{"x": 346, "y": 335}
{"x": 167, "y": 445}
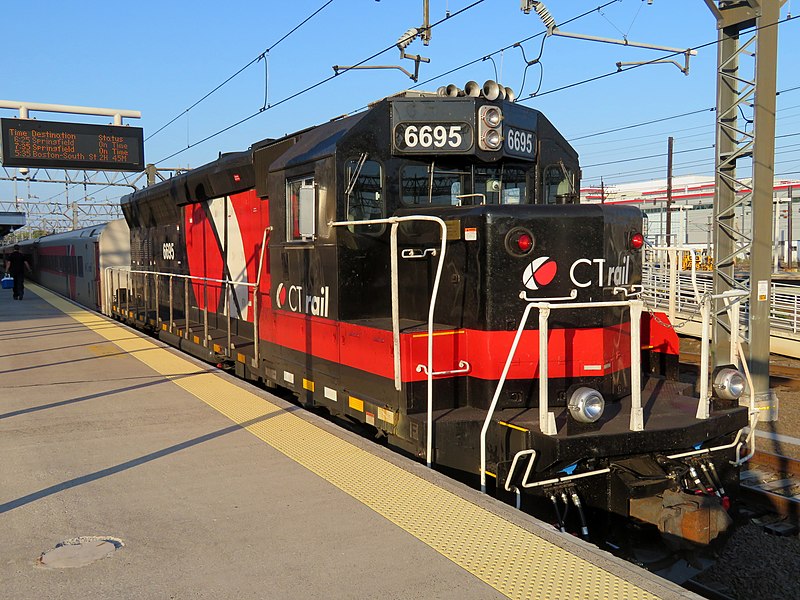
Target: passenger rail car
{"x": 424, "y": 267}
{"x": 72, "y": 263}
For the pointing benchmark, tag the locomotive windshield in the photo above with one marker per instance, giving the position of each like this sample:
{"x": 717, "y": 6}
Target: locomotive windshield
{"x": 455, "y": 185}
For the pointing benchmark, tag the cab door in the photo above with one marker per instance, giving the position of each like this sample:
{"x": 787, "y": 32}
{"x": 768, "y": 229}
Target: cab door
{"x": 304, "y": 282}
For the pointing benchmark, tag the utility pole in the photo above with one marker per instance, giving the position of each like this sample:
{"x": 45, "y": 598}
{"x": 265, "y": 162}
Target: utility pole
{"x": 789, "y": 233}
{"x": 669, "y": 190}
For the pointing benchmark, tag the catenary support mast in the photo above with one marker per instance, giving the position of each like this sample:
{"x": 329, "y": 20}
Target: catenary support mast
{"x": 735, "y": 144}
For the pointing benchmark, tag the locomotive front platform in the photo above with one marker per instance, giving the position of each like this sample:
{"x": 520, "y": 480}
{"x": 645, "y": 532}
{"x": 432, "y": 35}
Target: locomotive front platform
{"x": 211, "y": 488}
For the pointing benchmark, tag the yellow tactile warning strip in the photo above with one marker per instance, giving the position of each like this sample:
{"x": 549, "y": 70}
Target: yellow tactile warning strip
{"x": 512, "y": 560}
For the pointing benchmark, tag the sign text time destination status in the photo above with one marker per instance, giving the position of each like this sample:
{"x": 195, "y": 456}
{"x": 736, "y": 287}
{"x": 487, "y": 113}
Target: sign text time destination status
{"x": 50, "y": 144}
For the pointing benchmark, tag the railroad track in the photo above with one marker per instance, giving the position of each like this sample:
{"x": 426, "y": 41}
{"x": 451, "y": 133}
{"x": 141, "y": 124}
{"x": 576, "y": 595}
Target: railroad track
{"x": 783, "y": 371}
{"x": 773, "y": 482}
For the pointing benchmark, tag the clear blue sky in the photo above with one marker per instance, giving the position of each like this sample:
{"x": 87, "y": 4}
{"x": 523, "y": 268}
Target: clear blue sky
{"x": 162, "y": 57}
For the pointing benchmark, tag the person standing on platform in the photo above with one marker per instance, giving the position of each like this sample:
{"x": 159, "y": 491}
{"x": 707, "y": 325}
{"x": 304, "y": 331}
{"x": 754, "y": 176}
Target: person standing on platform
{"x": 16, "y": 266}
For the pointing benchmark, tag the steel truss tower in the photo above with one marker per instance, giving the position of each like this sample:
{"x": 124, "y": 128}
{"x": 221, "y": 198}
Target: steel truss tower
{"x": 745, "y": 132}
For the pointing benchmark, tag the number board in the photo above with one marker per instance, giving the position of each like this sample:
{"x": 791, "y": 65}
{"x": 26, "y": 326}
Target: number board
{"x": 432, "y": 138}
{"x": 520, "y": 142}
{"x": 33, "y": 143}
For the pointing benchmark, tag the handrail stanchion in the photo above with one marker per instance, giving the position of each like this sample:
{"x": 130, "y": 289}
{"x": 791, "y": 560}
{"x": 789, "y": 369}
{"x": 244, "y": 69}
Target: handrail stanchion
{"x": 672, "y": 256}
{"x": 431, "y": 309}
{"x": 256, "y": 358}
{"x": 489, "y": 413}
{"x": 733, "y": 316}
{"x": 547, "y": 419}
{"x": 157, "y": 307}
{"x": 256, "y": 289}
{"x": 146, "y": 299}
{"x": 395, "y": 290}
{"x": 637, "y": 412}
{"x": 205, "y": 313}
{"x": 171, "y": 314}
{"x": 186, "y": 307}
{"x": 228, "y": 292}
{"x": 703, "y": 406}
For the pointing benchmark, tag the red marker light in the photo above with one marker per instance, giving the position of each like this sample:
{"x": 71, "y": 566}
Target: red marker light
{"x": 637, "y": 241}
{"x": 524, "y": 242}
{"x": 236, "y": 177}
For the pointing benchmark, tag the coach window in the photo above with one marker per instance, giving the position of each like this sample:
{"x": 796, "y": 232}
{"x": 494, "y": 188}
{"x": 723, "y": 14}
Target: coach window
{"x": 558, "y": 186}
{"x": 300, "y": 210}
{"x": 364, "y": 194}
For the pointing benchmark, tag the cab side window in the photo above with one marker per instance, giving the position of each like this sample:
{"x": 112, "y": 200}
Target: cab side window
{"x": 364, "y": 195}
{"x": 300, "y": 209}
{"x": 558, "y": 183}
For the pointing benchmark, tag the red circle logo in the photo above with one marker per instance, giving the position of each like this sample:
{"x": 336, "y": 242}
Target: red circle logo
{"x": 540, "y": 272}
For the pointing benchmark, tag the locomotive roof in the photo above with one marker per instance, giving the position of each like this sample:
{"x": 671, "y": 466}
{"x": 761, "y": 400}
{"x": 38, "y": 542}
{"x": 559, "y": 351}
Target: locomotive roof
{"x": 269, "y": 155}
{"x": 315, "y": 143}
{"x": 184, "y": 186}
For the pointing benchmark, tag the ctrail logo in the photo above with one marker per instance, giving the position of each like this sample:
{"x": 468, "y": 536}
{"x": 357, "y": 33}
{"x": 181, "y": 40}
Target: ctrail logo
{"x": 539, "y": 273}
{"x": 583, "y": 272}
{"x": 293, "y": 298}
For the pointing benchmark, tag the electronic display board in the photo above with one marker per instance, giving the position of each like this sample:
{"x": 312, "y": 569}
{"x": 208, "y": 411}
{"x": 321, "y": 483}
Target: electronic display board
{"x": 50, "y": 144}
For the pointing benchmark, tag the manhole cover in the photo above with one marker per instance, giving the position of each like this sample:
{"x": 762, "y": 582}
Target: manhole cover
{"x": 79, "y": 552}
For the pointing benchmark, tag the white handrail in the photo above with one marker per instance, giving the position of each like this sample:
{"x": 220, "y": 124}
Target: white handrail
{"x": 181, "y": 276}
{"x": 395, "y": 222}
{"x": 547, "y": 423}
{"x": 493, "y": 404}
{"x": 256, "y": 303}
{"x": 226, "y": 285}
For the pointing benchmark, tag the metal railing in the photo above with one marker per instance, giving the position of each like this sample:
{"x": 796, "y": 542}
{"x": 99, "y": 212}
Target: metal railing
{"x": 689, "y": 287}
{"x": 135, "y": 298}
{"x": 464, "y": 367}
{"x": 547, "y": 423}
{"x": 693, "y": 294}
{"x": 663, "y": 286}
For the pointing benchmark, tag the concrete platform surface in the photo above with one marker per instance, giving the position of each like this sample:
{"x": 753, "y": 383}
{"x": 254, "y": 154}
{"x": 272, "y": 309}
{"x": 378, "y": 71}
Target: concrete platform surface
{"x": 114, "y": 443}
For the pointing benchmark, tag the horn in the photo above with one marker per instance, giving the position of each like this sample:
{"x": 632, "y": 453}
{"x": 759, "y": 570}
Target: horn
{"x": 501, "y": 92}
{"x": 441, "y": 91}
{"x": 472, "y": 89}
{"x": 491, "y": 91}
{"x": 510, "y": 95}
{"x": 452, "y": 90}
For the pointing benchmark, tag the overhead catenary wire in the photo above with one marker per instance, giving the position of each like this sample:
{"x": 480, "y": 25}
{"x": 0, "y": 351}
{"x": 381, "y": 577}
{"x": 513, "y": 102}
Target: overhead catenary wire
{"x": 486, "y": 57}
{"x": 288, "y": 98}
{"x": 620, "y": 70}
{"x": 241, "y": 70}
{"x": 190, "y": 145}
{"x": 311, "y": 87}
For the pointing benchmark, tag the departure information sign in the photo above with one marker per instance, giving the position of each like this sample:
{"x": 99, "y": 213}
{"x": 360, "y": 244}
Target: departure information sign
{"x": 50, "y": 144}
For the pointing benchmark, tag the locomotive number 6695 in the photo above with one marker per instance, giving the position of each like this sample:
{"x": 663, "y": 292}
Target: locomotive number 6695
{"x": 433, "y": 137}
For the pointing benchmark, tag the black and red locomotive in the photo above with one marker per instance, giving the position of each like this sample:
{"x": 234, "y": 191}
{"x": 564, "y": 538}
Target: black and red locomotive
{"x": 397, "y": 268}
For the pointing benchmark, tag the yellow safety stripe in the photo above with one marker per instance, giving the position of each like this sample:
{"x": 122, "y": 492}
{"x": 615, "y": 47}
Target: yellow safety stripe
{"x": 514, "y": 561}
{"x": 517, "y": 427}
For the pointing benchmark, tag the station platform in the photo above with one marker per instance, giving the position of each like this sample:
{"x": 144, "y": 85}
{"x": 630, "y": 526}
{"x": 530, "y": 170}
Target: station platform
{"x": 192, "y": 484}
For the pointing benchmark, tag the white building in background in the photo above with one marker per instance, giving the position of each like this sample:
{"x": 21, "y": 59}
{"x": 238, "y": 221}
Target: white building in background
{"x": 692, "y": 210}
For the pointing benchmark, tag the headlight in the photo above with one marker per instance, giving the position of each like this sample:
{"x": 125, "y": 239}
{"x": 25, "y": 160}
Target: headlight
{"x": 586, "y": 405}
{"x": 492, "y": 139}
{"x": 729, "y": 383}
{"x": 492, "y": 116}
{"x": 490, "y": 128}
